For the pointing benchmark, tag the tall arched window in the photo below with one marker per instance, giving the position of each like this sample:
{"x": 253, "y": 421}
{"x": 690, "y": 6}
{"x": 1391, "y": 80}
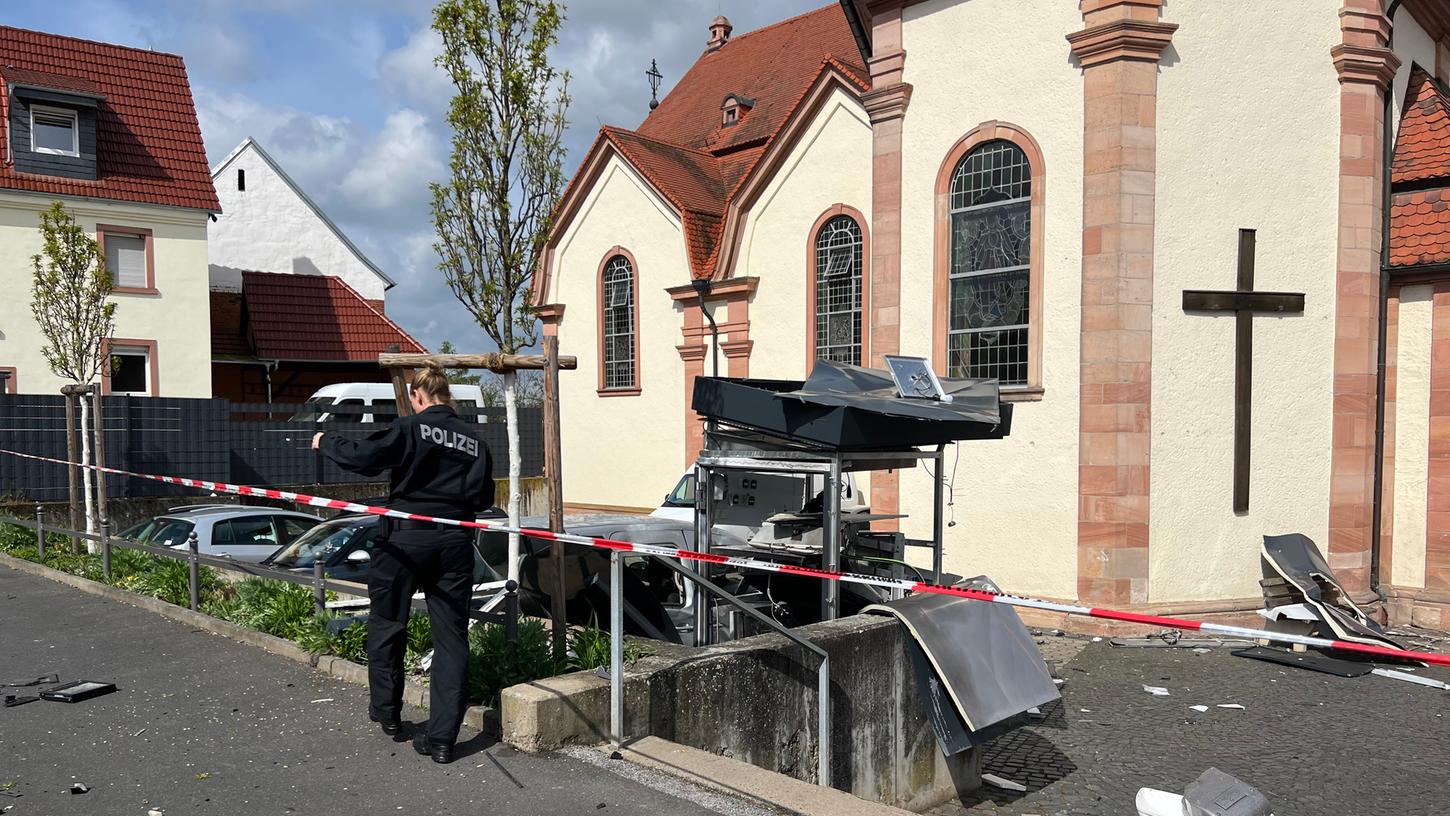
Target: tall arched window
{"x": 618, "y": 324}
{"x": 838, "y": 287}
{"x": 990, "y": 264}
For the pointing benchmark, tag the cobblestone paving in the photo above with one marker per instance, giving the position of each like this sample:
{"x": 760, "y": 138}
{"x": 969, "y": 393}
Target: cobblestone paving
{"x": 1313, "y": 743}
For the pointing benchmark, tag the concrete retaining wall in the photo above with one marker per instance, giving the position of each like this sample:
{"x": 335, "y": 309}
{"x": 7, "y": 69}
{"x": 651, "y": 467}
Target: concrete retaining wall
{"x": 755, "y": 700}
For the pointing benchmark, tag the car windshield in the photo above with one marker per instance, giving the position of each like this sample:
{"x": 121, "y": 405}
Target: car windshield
{"x": 322, "y": 540}
{"x": 684, "y": 493}
{"x": 311, "y": 409}
{"x": 170, "y": 532}
{"x": 141, "y": 532}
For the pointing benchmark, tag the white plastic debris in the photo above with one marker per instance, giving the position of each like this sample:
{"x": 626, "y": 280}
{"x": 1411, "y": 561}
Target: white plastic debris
{"x": 1298, "y": 612}
{"x": 1097, "y": 640}
{"x": 1200, "y": 709}
{"x": 1234, "y": 706}
{"x": 1201, "y": 650}
{"x": 1086, "y": 710}
{"x": 1005, "y": 784}
{"x": 1156, "y": 691}
{"x": 155, "y": 812}
{"x": 323, "y": 700}
{"x": 1057, "y": 681}
{"x": 1410, "y": 678}
{"x": 1150, "y": 802}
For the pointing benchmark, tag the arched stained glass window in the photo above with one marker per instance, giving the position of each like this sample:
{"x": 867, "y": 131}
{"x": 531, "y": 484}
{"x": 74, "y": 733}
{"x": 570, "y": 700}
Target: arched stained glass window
{"x": 618, "y": 318}
{"x": 991, "y": 251}
{"x": 838, "y": 291}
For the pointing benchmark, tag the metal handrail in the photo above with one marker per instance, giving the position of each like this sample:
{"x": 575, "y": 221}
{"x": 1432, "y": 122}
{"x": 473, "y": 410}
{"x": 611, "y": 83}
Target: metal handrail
{"x": 616, "y": 655}
{"x": 190, "y": 556}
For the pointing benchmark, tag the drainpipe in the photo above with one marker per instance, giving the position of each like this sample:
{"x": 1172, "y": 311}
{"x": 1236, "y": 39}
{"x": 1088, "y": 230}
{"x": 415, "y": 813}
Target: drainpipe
{"x": 1377, "y": 504}
{"x": 702, "y": 288}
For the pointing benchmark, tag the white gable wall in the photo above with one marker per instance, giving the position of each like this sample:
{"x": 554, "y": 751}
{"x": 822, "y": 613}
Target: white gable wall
{"x": 622, "y": 451}
{"x": 269, "y": 228}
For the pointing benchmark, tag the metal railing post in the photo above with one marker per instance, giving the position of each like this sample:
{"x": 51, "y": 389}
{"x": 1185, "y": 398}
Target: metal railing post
{"x": 937, "y": 491}
{"x": 319, "y": 589}
{"x": 195, "y": 576}
{"x": 40, "y": 532}
{"x": 616, "y": 647}
{"x": 106, "y": 548}
{"x": 511, "y": 612}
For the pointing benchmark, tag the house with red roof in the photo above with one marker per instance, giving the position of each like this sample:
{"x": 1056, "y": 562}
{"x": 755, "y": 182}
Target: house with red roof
{"x": 112, "y": 133}
{"x": 295, "y": 304}
{"x": 1093, "y": 203}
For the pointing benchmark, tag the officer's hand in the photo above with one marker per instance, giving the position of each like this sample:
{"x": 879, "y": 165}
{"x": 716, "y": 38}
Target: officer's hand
{"x": 317, "y": 440}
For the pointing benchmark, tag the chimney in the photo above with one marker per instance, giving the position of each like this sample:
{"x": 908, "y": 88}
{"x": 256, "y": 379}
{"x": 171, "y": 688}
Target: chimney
{"x": 720, "y": 29}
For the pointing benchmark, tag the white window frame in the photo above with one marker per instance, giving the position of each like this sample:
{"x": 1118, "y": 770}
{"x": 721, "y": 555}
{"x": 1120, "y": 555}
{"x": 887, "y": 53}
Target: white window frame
{"x": 75, "y": 130}
{"x": 132, "y": 351}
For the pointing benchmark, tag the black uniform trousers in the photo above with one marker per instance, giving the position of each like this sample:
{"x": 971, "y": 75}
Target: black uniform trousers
{"x": 440, "y": 563}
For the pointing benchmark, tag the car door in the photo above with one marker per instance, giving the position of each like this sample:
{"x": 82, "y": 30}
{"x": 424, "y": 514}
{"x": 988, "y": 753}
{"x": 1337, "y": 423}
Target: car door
{"x": 246, "y": 538}
{"x": 341, "y": 568}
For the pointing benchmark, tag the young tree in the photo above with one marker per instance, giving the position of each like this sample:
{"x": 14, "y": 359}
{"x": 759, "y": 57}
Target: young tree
{"x": 493, "y": 215}
{"x": 458, "y": 376}
{"x": 70, "y": 302}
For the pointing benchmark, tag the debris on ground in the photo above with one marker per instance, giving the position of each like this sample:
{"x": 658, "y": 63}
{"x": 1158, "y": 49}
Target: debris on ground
{"x": 1314, "y": 661}
{"x": 1199, "y": 708}
{"x": 1410, "y": 678}
{"x": 1213, "y": 793}
{"x": 1234, "y": 706}
{"x": 323, "y": 700}
{"x": 1156, "y": 691}
{"x": 1005, "y": 784}
{"x": 79, "y": 788}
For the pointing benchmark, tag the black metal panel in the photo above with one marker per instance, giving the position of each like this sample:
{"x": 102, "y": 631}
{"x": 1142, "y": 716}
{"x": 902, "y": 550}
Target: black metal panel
{"x": 756, "y": 404}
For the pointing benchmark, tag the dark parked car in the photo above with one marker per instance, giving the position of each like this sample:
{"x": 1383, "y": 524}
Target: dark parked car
{"x": 345, "y": 545}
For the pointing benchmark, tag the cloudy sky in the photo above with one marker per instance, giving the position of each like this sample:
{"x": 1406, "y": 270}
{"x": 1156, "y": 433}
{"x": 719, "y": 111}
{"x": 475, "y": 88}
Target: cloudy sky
{"x": 344, "y": 94}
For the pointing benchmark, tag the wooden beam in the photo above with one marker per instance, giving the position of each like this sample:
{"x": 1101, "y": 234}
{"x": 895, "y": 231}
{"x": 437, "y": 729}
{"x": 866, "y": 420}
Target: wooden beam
{"x": 1206, "y": 300}
{"x": 553, "y": 454}
{"x": 493, "y": 362}
{"x": 400, "y": 391}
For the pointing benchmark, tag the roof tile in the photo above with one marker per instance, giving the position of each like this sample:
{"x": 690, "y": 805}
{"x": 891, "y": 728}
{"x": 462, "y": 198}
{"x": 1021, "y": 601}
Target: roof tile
{"x": 149, "y": 146}
{"x": 1420, "y": 228}
{"x": 317, "y": 317}
{"x": 1422, "y": 147}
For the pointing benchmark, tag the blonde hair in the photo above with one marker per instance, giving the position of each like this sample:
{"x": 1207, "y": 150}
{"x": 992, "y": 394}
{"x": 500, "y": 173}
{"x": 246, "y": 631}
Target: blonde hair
{"x": 432, "y": 383}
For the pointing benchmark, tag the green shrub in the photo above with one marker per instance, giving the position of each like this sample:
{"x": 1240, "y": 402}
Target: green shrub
{"x": 285, "y": 612}
{"x": 589, "y": 648}
{"x": 495, "y": 664}
{"x": 352, "y": 643}
{"x": 420, "y": 641}
{"x": 130, "y": 563}
{"x": 170, "y": 580}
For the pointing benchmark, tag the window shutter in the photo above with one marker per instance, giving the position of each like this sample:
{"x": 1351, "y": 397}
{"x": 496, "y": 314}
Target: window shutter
{"x": 126, "y": 260}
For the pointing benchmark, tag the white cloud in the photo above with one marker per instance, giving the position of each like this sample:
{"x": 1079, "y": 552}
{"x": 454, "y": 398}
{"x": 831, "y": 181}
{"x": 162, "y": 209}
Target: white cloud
{"x": 393, "y": 174}
{"x": 408, "y": 75}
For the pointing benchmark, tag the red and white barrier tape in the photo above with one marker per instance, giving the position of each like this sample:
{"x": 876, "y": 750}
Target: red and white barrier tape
{"x": 768, "y": 566}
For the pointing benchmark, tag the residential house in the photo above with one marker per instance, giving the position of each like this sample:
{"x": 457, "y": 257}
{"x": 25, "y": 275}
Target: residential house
{"x": 295, "y": 304}
{"x": 1024, "y": 190}
{"x": 111, "y": 132}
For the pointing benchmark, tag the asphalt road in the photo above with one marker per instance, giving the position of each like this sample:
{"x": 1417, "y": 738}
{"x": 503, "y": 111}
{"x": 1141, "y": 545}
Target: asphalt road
{"x": 205, "y": 725}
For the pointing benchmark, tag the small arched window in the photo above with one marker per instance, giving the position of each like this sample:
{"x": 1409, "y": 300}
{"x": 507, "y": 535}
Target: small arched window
{"x": 617, "y": 289}
{"x": 838, "y": 291}
{"x": 990, "y": 264}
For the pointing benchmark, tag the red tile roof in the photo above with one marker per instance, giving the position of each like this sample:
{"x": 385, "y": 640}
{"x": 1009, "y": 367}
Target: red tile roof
{"x": 317, "y": 317}
{"x": 1420, "y": 212}
{"x": 1420, "y": 228}
{"x": 697, "y": 163}
{"x": 1422, "y": 148}
{"x": 148, "y": 143}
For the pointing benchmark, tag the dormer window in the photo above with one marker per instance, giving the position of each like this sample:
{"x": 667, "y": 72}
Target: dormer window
{"x": 734, "y": 108}
{"x": 55, "y": 131}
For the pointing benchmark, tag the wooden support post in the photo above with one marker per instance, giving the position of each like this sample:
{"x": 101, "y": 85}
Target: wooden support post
{"x": 401, "y": 376}
{"x": 553, "y": 455}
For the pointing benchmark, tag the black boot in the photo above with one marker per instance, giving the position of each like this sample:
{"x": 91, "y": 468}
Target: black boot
{"x": 442, "y": 752}
{"x": 392, "y": 726}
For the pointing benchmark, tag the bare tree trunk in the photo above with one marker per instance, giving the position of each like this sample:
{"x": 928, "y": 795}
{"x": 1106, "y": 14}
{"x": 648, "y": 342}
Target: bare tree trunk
{"x": 71, "y": 471}
{"x": 102, "y": 511}
{"x": 86, "y": 471}
{"x": 511, "y": 416}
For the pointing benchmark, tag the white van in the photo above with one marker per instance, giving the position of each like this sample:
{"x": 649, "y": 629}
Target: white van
{"x": 370, "y": 402}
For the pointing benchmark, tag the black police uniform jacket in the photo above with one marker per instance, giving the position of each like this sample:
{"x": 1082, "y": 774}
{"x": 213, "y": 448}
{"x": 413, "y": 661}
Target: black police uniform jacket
{"x": 439, "y": 466}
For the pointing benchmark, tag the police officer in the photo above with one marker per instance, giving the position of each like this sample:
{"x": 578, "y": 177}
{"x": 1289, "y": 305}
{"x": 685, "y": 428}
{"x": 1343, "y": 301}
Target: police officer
{"x": 438, "y": 467}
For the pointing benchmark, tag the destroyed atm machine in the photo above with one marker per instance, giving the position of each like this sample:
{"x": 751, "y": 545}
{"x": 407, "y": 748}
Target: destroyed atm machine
{"x": 761, "y": 434}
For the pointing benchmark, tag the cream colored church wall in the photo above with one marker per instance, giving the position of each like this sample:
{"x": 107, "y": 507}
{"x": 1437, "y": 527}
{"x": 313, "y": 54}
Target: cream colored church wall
{"x": 968, "y": 63}
{"x": 622, "y": 450}
{"x": 178, "y": 318}
{"x": 829, "y": 165}
{"x": 1412, "y": 436}
{"x": 1248, "y": 136}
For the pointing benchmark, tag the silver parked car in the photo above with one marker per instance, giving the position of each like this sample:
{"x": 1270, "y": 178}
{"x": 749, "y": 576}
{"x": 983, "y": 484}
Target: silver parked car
{"x": 243, "y": 533}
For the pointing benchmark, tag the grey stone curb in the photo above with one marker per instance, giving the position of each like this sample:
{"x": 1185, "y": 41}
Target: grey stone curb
{"x": 480, "y": 717}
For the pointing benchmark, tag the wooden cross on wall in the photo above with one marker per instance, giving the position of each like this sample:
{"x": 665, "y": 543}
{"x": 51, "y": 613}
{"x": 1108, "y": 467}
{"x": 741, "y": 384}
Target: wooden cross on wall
{"x": 1243, "y": 302}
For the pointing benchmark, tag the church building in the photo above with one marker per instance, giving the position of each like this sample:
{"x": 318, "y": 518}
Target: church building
{"x": 1160, "y": 225}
